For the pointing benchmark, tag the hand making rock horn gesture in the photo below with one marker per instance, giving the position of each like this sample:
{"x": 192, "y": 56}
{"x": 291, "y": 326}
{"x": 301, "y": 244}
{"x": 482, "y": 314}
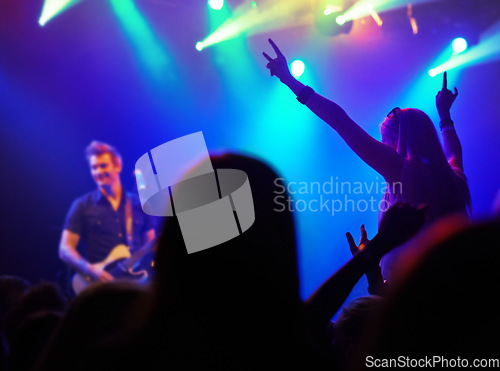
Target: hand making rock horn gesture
{"x": 278, "y": 66}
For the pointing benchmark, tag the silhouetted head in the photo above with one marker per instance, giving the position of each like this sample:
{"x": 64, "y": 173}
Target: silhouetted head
{"x": 31, "y": 338}
{"x": 411, "y": 132}
{"x": 427, "y": 177}
{"x": 354, "y": 314}
{"x": 444, "y": 302}
{"x": 12, "y": 289}
{"x": 242, "y": 294}
{"x": 263, "y": 256}
{"x": 40, "y": 297}
{"x": 97, "y": 315}
{"x": 352, "y": 323}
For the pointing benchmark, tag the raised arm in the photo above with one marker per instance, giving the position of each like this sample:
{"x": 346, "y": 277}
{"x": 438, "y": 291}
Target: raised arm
{"x": 400, "y": 223}
{"x": 451, "y": 144}
{"x": 382, "y": 158}
{"x": 374, "y": 275}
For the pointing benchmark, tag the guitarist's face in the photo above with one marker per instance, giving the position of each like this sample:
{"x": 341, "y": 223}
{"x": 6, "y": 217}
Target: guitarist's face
{"x": 104, "y": 170}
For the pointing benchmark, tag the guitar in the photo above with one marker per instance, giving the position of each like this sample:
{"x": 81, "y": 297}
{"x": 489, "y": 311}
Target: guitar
{"x": 120, "y": 264}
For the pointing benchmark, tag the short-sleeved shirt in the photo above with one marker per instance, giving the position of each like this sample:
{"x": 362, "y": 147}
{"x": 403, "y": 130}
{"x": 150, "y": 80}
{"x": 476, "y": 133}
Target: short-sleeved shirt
{"x": 101, "y": 228}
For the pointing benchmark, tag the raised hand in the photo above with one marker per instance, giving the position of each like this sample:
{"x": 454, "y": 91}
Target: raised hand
{"x": 278, "y": 66}
{"x": 445, "y": 99}
{"x": 362, "y": 242}
{"x": 373, "y": 275}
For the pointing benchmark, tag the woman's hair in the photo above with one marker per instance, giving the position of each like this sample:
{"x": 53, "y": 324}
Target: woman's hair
{"x": 351, "y": 324}
{"x": 427, "y": 177}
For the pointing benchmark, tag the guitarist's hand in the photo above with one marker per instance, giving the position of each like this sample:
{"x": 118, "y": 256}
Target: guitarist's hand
{"x": 99, "y": 275}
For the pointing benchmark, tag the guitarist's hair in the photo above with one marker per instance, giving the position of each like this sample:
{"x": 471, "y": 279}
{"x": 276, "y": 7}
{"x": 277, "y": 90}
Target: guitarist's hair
{"x": 96, "y": 148}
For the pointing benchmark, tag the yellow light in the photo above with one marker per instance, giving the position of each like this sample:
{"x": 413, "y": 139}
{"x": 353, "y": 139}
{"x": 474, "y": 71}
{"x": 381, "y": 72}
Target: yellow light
{"x": 375, "y": 16}
{"x": 332, "y": 9}
{"x": 414, "y": 26}
{"x": 270, "y": 15}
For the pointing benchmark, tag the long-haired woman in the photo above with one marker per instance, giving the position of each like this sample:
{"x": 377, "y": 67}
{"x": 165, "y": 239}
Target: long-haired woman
{"x": 410, "y": 157}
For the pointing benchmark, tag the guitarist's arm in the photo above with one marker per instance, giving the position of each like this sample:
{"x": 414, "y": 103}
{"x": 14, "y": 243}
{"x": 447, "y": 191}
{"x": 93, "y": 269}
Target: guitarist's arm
{"x": 69, "y": 255}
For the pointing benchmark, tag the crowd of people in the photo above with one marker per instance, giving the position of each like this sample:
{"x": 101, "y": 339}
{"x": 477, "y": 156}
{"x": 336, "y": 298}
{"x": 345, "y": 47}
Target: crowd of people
{"x": 236, "y": 306}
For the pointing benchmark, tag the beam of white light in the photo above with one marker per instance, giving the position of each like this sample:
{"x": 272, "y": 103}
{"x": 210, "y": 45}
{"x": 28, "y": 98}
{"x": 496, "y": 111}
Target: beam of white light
{"x": 147, "y": 47}
{"x": 269, "y": 15}
{"x": 363, "y": 8}
{"x": 487, "y": 50}
{"x": 332, "y": 9}
{"x": 52, "y": 8}
{"x": 340, "y": 20}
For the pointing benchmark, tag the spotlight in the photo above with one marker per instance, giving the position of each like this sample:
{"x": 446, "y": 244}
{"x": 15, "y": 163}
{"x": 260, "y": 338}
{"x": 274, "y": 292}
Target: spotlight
{"x": 52, "y": 8}
{"x": 331, "y": 21}
{"x": 413, "y": 21}
{"x": 216, "y": 4}
{"x": 199, "y": 46}
{"x": 486, "y": 51}
{"x": 332, "y": 9}
{"x": 374, "y": 15}
{"x": 432, "y": 72}
{"x": 459, "y": 45}
{"x": 297, "y": 68}
{"x": 340, "y": 20}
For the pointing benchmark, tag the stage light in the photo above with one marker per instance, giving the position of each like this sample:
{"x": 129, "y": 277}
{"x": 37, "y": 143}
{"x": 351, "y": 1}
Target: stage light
{"x": 52, "y": 8}
{"x": 330, "y": 19}
{"x": 251, "y": 20}
{"x": 199, "y": 46}
{"x": 147, "y": 47}
{"x": 374, "y": 15}
{"x": 413, "y": 21}
{"x": 340, "y": 20}
{"x": 459, "y": 45}
{"x": 216, "y": 4}
{"x": 253, "y": 4}
{"x": 487, "y": 50}
{"x": 297, "y": 68}
{"x": 364, "y": 8}
{"x": 332, "y": 9}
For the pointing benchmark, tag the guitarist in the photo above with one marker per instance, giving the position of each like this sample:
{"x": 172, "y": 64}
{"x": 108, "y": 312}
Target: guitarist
{"x": 99, "y": 218}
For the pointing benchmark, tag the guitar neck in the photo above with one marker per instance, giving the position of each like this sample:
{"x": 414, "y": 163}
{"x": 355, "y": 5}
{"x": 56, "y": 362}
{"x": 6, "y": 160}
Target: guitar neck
{"x": 139, "y": 254}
